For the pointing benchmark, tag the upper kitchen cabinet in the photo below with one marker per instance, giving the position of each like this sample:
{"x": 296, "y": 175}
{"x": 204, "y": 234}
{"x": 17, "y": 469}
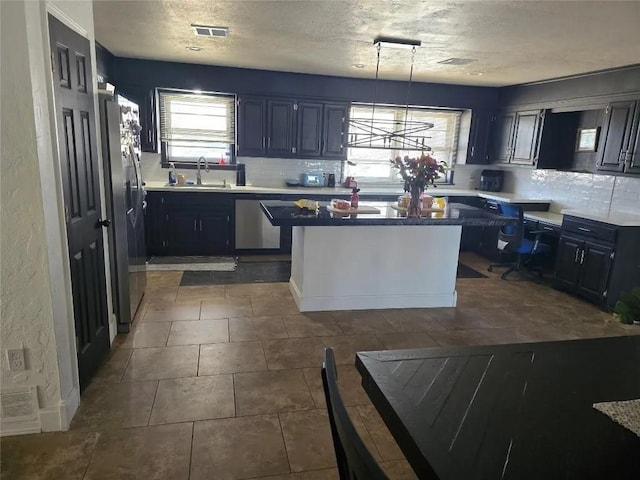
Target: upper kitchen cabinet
{"x": 252, "y": 126}
{"x": 618, "y": 143}
{"x": 335, "y": 130}
{"x": 290, "y": 128}
{"x": 516, "y": 137}
{"x": 481, "y": 122}
{"x": 281, "y": 128}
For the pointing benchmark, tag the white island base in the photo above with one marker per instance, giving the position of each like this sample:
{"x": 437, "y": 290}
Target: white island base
{"x": 374, "y": 267}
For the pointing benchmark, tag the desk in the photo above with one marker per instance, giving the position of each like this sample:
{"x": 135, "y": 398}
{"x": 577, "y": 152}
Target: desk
{"x": 519, "y": 411}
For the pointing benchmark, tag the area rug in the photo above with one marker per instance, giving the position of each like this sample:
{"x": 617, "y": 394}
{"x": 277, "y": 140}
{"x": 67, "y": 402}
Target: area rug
{"x": 246, "y": 272}
{"x": 195, "y": 263}
{"x": 465, "y": 271}
{"x": 625, "y": 413}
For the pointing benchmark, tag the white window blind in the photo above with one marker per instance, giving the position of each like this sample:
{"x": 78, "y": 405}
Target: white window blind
{"x": 373, "y": 164}
{"x": 194, "y": 125}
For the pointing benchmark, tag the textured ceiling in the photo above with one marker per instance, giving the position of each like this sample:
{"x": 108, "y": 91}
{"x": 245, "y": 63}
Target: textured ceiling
{"x": 513, "y": 41}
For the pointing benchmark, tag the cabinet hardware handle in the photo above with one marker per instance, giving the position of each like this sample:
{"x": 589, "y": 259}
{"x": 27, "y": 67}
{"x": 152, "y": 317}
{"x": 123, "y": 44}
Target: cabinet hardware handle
{"x": 200, "y": 224}
{"x": 582, "y": 258}
{"x": 228, "y": 219}
{"x": 473, "y": 149}
{"x": 583, "y": 229}
{"x": 575, "y": 260}
{"x": 268, "y": 142}
{"x": 293, "y": 149}
{"x": 263, "y": 142}
{"x": 195, "y": 225}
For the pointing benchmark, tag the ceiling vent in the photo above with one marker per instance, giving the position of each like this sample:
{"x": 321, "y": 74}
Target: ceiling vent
{"x": 457, "y": 61}
{"x": 209, "y": 31}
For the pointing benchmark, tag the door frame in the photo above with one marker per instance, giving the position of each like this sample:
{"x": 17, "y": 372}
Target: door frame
{"x": 37, "y": 22}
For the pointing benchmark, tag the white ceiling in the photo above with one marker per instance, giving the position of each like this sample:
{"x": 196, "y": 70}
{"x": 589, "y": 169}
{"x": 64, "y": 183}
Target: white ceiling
{"x": 513, "y": 41}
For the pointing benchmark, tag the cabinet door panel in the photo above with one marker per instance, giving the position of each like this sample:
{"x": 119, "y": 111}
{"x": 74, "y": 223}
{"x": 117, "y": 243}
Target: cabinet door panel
{"x": 183, "y": 234}
{"x": 615, "y": 136}
{"x": 634, "y": 143}
{"x": 594, "y": 274}
{"x": 309, "y": 129}
{"x": 215, "y": 233}
{"x": 525, "y": 137}
{"x": 568, "y": 261}
{"x": 281, "y": 130}
{"x": 504, "y": 137}
{"x": 252, "y": 118}
{"x": 335, "y": 125}
{"x": 478, "y": 137}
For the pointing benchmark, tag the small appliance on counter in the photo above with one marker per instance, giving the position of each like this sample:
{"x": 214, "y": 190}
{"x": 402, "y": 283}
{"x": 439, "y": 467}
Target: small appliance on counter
{"x": 312, "y": 179}
{"x": 241, "y": 175}
{"x": 331, "y": 180}
{"x": 350, "y": 182}
{"x": 491, "y": 180}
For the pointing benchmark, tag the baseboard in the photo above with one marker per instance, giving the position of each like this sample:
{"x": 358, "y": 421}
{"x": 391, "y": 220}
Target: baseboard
{"x": 54, "y": 419}
{"x": 20, "y": 427}
{"x": 370, "y": 302}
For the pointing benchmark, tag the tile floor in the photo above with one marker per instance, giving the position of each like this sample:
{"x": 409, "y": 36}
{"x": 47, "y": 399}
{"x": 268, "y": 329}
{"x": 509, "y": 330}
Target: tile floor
{"x": 223, "y": 381}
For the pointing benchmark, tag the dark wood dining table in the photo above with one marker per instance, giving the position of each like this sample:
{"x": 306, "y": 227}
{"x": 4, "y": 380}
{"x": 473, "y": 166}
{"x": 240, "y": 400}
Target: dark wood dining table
{"x": 517, "y": 411}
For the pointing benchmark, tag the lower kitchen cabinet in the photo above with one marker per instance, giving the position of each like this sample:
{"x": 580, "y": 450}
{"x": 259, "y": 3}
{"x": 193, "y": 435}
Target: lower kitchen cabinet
{"x": 185, "y": 223}
{"x": 597, "y": 261}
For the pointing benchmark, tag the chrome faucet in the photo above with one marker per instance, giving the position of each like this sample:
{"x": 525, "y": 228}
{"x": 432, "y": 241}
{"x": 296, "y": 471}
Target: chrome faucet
{"x": 206, "y": 169}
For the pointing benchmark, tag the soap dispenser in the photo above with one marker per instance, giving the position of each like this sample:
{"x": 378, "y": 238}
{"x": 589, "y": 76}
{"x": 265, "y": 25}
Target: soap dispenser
{"x": 355, "y": 198}
{"x": 173, "y": 178}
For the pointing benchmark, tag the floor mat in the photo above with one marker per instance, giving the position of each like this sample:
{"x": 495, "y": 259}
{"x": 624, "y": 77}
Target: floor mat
{"x": 250, "y": 272}
{"x": 467, "y": 272}
{"x": 197, "y": 263}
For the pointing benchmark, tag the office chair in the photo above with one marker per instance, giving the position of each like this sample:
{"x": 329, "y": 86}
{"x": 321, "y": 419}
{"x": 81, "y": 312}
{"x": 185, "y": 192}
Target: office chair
{"x": 355, "y": 462}
{"x": 511, "y": 239}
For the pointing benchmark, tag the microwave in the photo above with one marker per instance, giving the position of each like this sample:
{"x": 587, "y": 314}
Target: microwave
{"x": 312, "y": 179}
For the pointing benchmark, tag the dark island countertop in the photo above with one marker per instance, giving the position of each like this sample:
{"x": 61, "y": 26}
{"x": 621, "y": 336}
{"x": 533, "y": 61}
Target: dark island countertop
{"x": 286, "y": 214}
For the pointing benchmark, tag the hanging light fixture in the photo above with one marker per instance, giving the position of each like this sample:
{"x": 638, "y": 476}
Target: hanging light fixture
{"x": 384, "y": 134}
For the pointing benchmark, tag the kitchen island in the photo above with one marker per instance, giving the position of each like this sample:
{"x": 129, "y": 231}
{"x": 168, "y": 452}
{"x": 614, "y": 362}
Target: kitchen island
{"x": 375, "y": 261}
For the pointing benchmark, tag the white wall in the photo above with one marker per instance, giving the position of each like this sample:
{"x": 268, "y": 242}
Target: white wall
{"x": 37, "y": 308}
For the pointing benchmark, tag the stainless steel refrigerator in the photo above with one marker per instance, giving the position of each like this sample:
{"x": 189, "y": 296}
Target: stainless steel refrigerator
{"x": 125, "y": 199}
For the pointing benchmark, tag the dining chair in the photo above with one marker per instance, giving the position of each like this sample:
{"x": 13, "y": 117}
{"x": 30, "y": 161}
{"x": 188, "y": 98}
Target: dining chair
{"x": 355, "y": 462}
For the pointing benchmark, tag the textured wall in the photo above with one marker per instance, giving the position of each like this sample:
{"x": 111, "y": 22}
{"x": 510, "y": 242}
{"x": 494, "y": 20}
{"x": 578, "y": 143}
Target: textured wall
{"x": 25, "y": 301}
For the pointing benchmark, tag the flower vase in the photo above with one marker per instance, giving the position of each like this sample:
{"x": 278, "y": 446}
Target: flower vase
{"x": 414, "y": 209}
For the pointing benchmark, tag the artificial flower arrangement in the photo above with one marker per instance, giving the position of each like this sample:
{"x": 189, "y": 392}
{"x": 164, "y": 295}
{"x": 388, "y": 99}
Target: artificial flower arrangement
{"x": 418, "y": 173}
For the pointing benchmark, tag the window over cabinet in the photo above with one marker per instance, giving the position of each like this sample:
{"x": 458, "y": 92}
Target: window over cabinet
{"x": 372, "y": 165}
{"x": 194, "y": 125}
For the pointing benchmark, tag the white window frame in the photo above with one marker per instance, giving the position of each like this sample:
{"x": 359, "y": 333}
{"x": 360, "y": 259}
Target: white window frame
{"x": 183, "y": 144}
{"x": 384, "y": 154}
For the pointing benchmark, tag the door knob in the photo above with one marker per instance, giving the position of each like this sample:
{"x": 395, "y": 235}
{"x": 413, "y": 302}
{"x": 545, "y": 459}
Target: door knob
{"x": 103, "y": 223}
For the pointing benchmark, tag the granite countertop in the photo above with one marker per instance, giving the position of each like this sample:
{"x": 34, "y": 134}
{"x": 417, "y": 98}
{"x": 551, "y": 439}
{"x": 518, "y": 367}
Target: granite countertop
{"x": 618, "y": 219}
{"x": 441, "y": 191}
{"x": 551, "y": 218}
{"x": 282, "y": 213}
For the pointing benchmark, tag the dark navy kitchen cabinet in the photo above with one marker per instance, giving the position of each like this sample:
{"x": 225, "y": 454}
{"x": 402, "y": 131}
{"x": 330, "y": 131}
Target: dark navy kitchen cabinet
{"x": 633, "y": 152}
{"x": 309, "y": 133}
{"x": 281, "y": 128}
{"x": 186, "y": 223}
{"x": 620, "y": 138}
{"x": 252, "y": 126}
{"x": 516, "y": 137}
{"x": 481, "y": 126}
{"x": 503, "y": 137}
{"x": 336, "y": 117}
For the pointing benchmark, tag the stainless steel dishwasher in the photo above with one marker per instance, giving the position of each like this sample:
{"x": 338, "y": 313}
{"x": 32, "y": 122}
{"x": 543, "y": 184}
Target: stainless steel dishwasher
{"x": 253, "y": 230}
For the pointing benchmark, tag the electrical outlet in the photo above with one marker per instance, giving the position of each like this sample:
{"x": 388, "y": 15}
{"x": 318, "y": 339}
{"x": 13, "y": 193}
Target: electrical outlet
{"x": 16, "y": 360}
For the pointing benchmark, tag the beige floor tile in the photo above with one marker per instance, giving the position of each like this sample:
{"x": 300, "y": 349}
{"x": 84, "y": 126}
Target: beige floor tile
{"x": 346, "y": 347}
{"x": 363, "y": 322}
{"x": 271, "y": 392}
{"x": 169, "y": 312}
{"x": 113, "y": 366}
{"x": 312, "y": 324}
{"x": 237, "y": 448}
{"x": 112, "y": 406}
{"x": 231, "y": 358}
{"x": 307, "y": 436}
{"x": 147, "y": 334}
{"x": 256, "y": 328}
{"x": 258, "y": 290}
{"x": 204, "y": 293}
{"x": 398, "y": 470}
{"x": 163, "y": 362}
{"x": 226, "y": 309}
{"x": 397, "y": 341}
{"x": 384, "y": 442}
{"x": 199, "y": 331}
{"x": 159, "y": 453}
{"x": 46, "y": 456}
{"x": 269, "y": 306}
{"x": 462, "y": 338}
{"x": 164, "y": 278}
{"x": 240, "y": 290}
{"x": 324, "y": 474}
{"x": 160, "y": 294}
{"x": 193, "y": 398}
{"x": 411, "y": 320}
{"x": 349, "y": 384}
